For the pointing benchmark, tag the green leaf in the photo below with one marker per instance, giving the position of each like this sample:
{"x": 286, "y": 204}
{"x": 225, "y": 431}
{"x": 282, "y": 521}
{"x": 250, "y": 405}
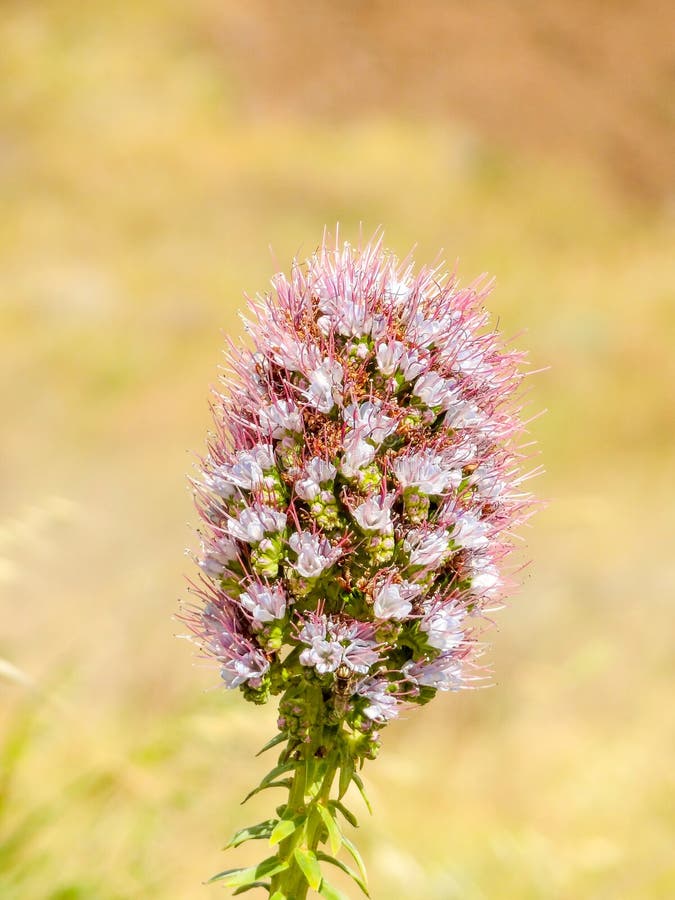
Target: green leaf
{"x": 331, "y": 893}
{"x": 284, "y": 782}
{"x": 252, "y": 887}
{"x": 310, "y": 867}
{"x": 332, "y": 827}
{"x": 356, "y": 878}
{"x": 277, "y": 895}
{"x": 356, "y": 778}
{"x": 356, "y": 856}
{"x": 252, "y": 833}
{"x": 277, "y": 739}
{"x": 347, "y": 813}
{"x": 284, "y": 828}
{"x": 346, "y": 773}
{"x": 236, "y": 878}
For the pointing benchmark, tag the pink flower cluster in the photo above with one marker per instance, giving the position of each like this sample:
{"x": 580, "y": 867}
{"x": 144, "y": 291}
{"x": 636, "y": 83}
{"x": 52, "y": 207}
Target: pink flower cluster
{"x": 361, "y": 486}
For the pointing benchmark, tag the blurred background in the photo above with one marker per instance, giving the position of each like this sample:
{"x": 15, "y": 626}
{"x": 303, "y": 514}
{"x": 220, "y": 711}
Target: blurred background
{"x": 150, "y": 153}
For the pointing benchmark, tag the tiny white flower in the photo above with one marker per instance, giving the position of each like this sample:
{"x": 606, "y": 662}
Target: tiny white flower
{"x": 250, "y": 666}
{"x": 434, "y": 390}
{"x": 374, "y": 514}
{"x": 390, "y": 357}
{"x": 392, "y": 601}
{"x": 369, "y": 420}
{"x": 316, "y": 472}
{"x": 487, "y": 481}
{"x": 426, "y": 548}
{"x": 280, "y": 418}
{"x": 325, "y": 656}
{"x": 443, "y": 627}
{"x": 314, "y": 553}
{"x": 264, "y": 603}
{"x": 254, "y": 522}
{"x": 470, "y": 532}
{"x": 324, "y": 383}
{"x": 463, "y": 414}
{"x": 397, "y": 290}
{"x": 425, "y": 471}
{"x": 383, "y": 705}
{"x": 358, "y": 453}
{"x": 443, "y": 673}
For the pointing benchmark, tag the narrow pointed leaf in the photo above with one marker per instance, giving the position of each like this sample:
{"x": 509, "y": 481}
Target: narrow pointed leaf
{"x": 284, "y": 782}
{"x": 251, "y": 887}
{"x": 334, "y": 835}
{"x": 310, "y": 867}
{"x": 347, "y": 813}
{"x": 236, "y": 878}
{"x": 277, "y": 895}
{"x": 356, "y": 856}
{"x": 356, "y": 878}
{"x": 356, "y": 778}
{"x": 277, "y": 739}
{"x": 253, "y": 833}
{"x": 284, "y": 828}
{"x": 346, "y": 773}
{"x": 331, "y": 893}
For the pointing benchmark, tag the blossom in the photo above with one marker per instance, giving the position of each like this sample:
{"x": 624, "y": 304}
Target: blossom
{"x": 443, "y": 626}
{"x": 314, "y": 553}
{"x": 217, "y": 555}
{"x": 433, "y": 390}
{"x": 332, "y": 644}
{"x": 383, "y": 705}
{"x": 265, "y": 603}
{"x": 254, "y": 522}
{"x": 357, "y": 454}
{"x": 315, "y": 473}
{"x": 249, "y": 468}
{"x": 470, "y": 532}
{"x": 390, "y": 357}
{"x": 280, "y": 418}
{"x": 370, "y": 420}
{"x": 426, "y": 472}
{"x": 358, "y": 499}
{"x": 360, "y": 488}
{"x": 392, "y": 600}
{"x": 443, "y": 673}
{"x": 250, "y": 667}
{"x": 374, "y": 514}
{"x": 324, "y": 385}
{"x": 426, "y": 548}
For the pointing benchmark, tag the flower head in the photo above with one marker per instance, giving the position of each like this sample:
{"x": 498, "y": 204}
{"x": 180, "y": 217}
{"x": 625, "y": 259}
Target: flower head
{"x": 360, "y": 489}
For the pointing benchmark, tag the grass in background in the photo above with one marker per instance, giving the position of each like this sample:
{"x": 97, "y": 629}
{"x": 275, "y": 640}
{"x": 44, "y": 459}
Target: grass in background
{"x": 137, "y": 205}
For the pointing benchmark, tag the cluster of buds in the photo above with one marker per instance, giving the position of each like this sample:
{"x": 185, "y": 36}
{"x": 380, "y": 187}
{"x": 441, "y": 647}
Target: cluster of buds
{"x": 358, "y": 494}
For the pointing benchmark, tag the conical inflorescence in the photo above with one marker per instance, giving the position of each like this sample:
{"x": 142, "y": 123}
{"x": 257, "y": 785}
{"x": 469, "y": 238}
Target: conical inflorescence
{"x": 358, "y": 500}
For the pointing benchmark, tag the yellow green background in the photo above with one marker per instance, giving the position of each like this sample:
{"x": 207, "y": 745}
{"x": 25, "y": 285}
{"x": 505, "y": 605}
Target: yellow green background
{"x": 150, "y": 155}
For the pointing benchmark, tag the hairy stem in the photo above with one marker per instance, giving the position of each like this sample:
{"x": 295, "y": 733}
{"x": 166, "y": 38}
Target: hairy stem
{"x": 317, "y": 762}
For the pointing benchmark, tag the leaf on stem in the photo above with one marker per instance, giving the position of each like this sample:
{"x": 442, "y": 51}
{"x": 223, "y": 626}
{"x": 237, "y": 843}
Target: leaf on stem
{"x": 356, "y": 856}
{"x": 267, "y": 782}
{"x": 309, "y": 866}
{"x": 356, "y": 778}
{"x": 356, "y": 878}
{"x": 253, "y": 833}
{"x": 236, "y": 878}
{"x": 277, "y": 739}
{"x": 347, "y": 813}
{"x": 331, "y": 893}
{"x": 334, "y": 835}
{"x": 284, "y": 828}
{"x": 346, "y": 774}
{"x": 252, "y": 887}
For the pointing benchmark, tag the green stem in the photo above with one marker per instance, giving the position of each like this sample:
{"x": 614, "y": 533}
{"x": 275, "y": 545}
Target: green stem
{"x": 317, "y": 764}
